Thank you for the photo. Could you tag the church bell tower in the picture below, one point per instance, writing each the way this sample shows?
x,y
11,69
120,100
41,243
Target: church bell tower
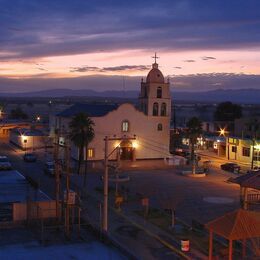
x,y
155,97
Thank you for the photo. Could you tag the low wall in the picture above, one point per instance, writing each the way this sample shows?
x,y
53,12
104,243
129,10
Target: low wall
x,y
34,210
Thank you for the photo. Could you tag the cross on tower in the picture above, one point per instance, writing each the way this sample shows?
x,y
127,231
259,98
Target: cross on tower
x,y
155,57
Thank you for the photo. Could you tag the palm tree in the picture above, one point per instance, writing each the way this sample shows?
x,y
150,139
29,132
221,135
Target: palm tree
x,y
194,131
81,134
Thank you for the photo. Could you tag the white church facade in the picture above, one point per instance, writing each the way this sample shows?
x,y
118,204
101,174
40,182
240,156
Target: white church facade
x,y
134,133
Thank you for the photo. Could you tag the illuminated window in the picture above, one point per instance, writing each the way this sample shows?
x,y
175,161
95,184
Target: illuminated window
x,y
163,109
257,155
246,151
125,126
155,109
91,153
159,127
159,92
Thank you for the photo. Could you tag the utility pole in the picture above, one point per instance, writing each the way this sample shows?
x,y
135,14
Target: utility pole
x,y
67,219
105,179
105,206
57,174
253,152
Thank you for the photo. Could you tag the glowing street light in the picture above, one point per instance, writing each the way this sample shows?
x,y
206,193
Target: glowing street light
x,y
222,131
38,118
24,140
135,144
257,146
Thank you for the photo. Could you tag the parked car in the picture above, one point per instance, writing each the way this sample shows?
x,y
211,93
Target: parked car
x,y
4,163
231,167
30,157
49,168
255,169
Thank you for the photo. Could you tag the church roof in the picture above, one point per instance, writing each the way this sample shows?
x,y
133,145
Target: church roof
x,y
92,110
155,75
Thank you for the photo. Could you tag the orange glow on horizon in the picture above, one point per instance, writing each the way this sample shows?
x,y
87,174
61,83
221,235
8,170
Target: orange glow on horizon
x,y
179,63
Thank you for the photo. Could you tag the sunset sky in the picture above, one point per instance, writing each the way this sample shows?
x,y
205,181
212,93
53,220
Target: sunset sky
x,y
48,41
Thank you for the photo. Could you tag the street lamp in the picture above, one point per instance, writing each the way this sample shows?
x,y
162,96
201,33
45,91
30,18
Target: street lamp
x,y
24,142
38,118
223,132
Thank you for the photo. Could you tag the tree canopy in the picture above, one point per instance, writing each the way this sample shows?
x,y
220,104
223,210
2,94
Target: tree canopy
x,y
18,113
81,133
194,128
227,111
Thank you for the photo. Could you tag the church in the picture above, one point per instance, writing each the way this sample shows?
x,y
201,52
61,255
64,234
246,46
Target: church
x,y
134,133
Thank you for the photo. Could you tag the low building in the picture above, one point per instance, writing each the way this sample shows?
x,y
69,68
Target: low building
x,y
21,199
7,125
243,150
29,139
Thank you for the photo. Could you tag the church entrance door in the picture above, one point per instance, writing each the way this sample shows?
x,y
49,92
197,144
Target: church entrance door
x,y
126,150
126,153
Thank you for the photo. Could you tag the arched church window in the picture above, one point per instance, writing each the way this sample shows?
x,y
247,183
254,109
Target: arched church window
x,y
155,109
159,92
163,109
159,127
125,126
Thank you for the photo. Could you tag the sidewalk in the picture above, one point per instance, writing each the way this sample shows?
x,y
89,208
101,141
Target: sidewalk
x,y
214,155
133,233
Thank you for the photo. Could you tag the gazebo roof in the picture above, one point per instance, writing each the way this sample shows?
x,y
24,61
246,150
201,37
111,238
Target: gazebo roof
x,y
249,180
236,225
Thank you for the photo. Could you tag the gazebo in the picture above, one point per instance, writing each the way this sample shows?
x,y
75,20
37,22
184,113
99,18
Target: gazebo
x,y
236,225
249,182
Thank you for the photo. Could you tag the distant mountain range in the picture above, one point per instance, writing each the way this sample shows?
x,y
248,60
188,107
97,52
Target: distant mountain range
x,y
234,95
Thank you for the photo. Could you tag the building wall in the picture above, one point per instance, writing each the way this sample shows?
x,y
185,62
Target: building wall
x,y
33,142
151,97
237,153
150,143
6,128
34,210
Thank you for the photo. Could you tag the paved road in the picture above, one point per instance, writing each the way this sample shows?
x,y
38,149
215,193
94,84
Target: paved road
x,y
217,161
202,199
120,229
34,170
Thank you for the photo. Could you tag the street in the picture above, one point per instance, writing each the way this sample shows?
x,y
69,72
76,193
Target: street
x,y
186,194
199,199
119,228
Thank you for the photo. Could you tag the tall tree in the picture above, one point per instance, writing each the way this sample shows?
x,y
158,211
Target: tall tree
x,y
227,111
194,131
81,134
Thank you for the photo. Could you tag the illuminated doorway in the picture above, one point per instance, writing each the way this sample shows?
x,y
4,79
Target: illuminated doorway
x,y
126,150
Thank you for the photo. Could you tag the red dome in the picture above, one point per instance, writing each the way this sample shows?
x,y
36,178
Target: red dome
x,y
155,75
